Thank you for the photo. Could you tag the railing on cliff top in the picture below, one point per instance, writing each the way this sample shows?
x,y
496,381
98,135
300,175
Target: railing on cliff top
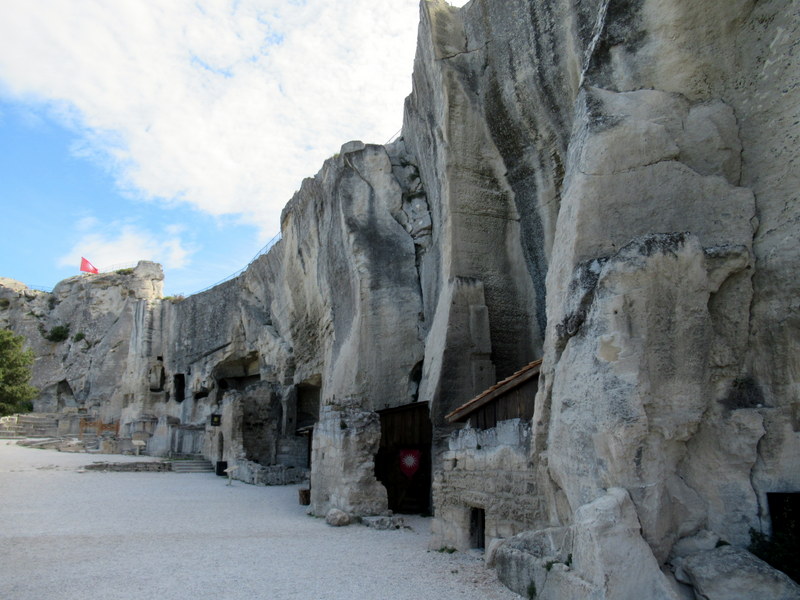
x,y
260,253
394,137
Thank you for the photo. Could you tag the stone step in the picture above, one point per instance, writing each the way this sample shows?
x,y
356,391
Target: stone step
x,y
36,425
192,466
37,418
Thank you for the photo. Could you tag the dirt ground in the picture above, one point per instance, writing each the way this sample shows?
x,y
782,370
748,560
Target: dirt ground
x,y
66,534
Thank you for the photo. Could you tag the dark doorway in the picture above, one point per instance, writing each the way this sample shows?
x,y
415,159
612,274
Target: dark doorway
x,y
179,382
781,548
784,512
307,404
477,528
403,462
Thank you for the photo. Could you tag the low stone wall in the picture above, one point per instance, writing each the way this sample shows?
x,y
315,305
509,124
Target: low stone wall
x,y
487,470
256,474
150,466
293,451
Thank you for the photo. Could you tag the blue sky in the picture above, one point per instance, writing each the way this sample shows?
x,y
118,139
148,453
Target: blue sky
x,y
177,131
59,206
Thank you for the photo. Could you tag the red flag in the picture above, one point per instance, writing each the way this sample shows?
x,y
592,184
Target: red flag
x,y
409,462
87,266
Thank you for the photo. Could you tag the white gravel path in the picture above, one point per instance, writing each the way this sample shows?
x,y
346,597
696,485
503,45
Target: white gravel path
x,y
66,534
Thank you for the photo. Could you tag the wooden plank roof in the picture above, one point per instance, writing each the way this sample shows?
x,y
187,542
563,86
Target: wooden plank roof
x,y
501,387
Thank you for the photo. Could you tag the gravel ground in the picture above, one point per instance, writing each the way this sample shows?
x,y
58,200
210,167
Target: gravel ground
x,y
67,534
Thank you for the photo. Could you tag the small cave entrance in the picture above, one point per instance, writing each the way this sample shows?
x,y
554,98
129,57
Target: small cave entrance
x,y
784,512
477,528
403,462
414,379
780,549
64,395
156,377
179,386
308,393
261,418
237,373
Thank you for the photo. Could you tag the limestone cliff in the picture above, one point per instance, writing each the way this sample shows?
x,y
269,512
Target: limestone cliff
x,y
91,336
610,185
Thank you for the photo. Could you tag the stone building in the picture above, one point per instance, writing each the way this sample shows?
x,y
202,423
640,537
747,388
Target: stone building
x,y
486,489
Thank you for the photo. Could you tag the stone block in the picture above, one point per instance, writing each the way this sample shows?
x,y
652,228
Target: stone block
x,y
337,518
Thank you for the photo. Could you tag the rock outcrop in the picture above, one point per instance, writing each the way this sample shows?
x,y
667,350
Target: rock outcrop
x,y
610,185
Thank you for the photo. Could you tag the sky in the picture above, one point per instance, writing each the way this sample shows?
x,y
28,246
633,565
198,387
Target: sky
x,y
176,131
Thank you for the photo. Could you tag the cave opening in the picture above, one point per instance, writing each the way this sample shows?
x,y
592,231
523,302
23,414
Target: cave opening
x,y
309,393
477,528
179,385
64,395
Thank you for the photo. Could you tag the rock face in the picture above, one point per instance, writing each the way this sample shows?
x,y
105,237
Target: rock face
x,y
729,572
91,336
610,185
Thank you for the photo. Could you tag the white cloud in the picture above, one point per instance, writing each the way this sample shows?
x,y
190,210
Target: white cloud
x,y
125,245
223,104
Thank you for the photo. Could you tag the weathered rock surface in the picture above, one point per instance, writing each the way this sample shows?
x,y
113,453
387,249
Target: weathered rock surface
x,y
610,185
727,573
383,522
106,324
337,518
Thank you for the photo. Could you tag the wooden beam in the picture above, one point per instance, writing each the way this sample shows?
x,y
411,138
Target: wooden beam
x,y
506,385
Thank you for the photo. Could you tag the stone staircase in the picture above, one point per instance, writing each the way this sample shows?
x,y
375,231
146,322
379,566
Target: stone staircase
x,y
29,425
192,465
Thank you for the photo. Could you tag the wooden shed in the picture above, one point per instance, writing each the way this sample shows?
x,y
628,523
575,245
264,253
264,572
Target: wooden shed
x,y
511,398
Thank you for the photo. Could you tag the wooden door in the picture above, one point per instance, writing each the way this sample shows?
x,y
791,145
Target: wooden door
x,y
403,462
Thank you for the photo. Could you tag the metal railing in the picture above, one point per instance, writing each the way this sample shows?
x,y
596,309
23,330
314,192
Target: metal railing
x,y
118,267
394,137
262,252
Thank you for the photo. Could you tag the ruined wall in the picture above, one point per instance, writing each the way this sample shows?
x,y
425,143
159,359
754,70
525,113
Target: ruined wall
x,y
488,470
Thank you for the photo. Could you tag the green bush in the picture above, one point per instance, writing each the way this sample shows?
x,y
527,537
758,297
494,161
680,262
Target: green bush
x,y
79,336
59,333
4,303
124,271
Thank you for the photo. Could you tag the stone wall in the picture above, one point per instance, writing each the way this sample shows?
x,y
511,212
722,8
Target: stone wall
x,y
346,441
490,470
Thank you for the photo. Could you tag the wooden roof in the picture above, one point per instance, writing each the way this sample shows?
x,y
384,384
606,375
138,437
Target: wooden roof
x,y
501,387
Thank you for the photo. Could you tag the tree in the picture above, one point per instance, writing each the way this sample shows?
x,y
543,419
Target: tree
x,y
15,373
